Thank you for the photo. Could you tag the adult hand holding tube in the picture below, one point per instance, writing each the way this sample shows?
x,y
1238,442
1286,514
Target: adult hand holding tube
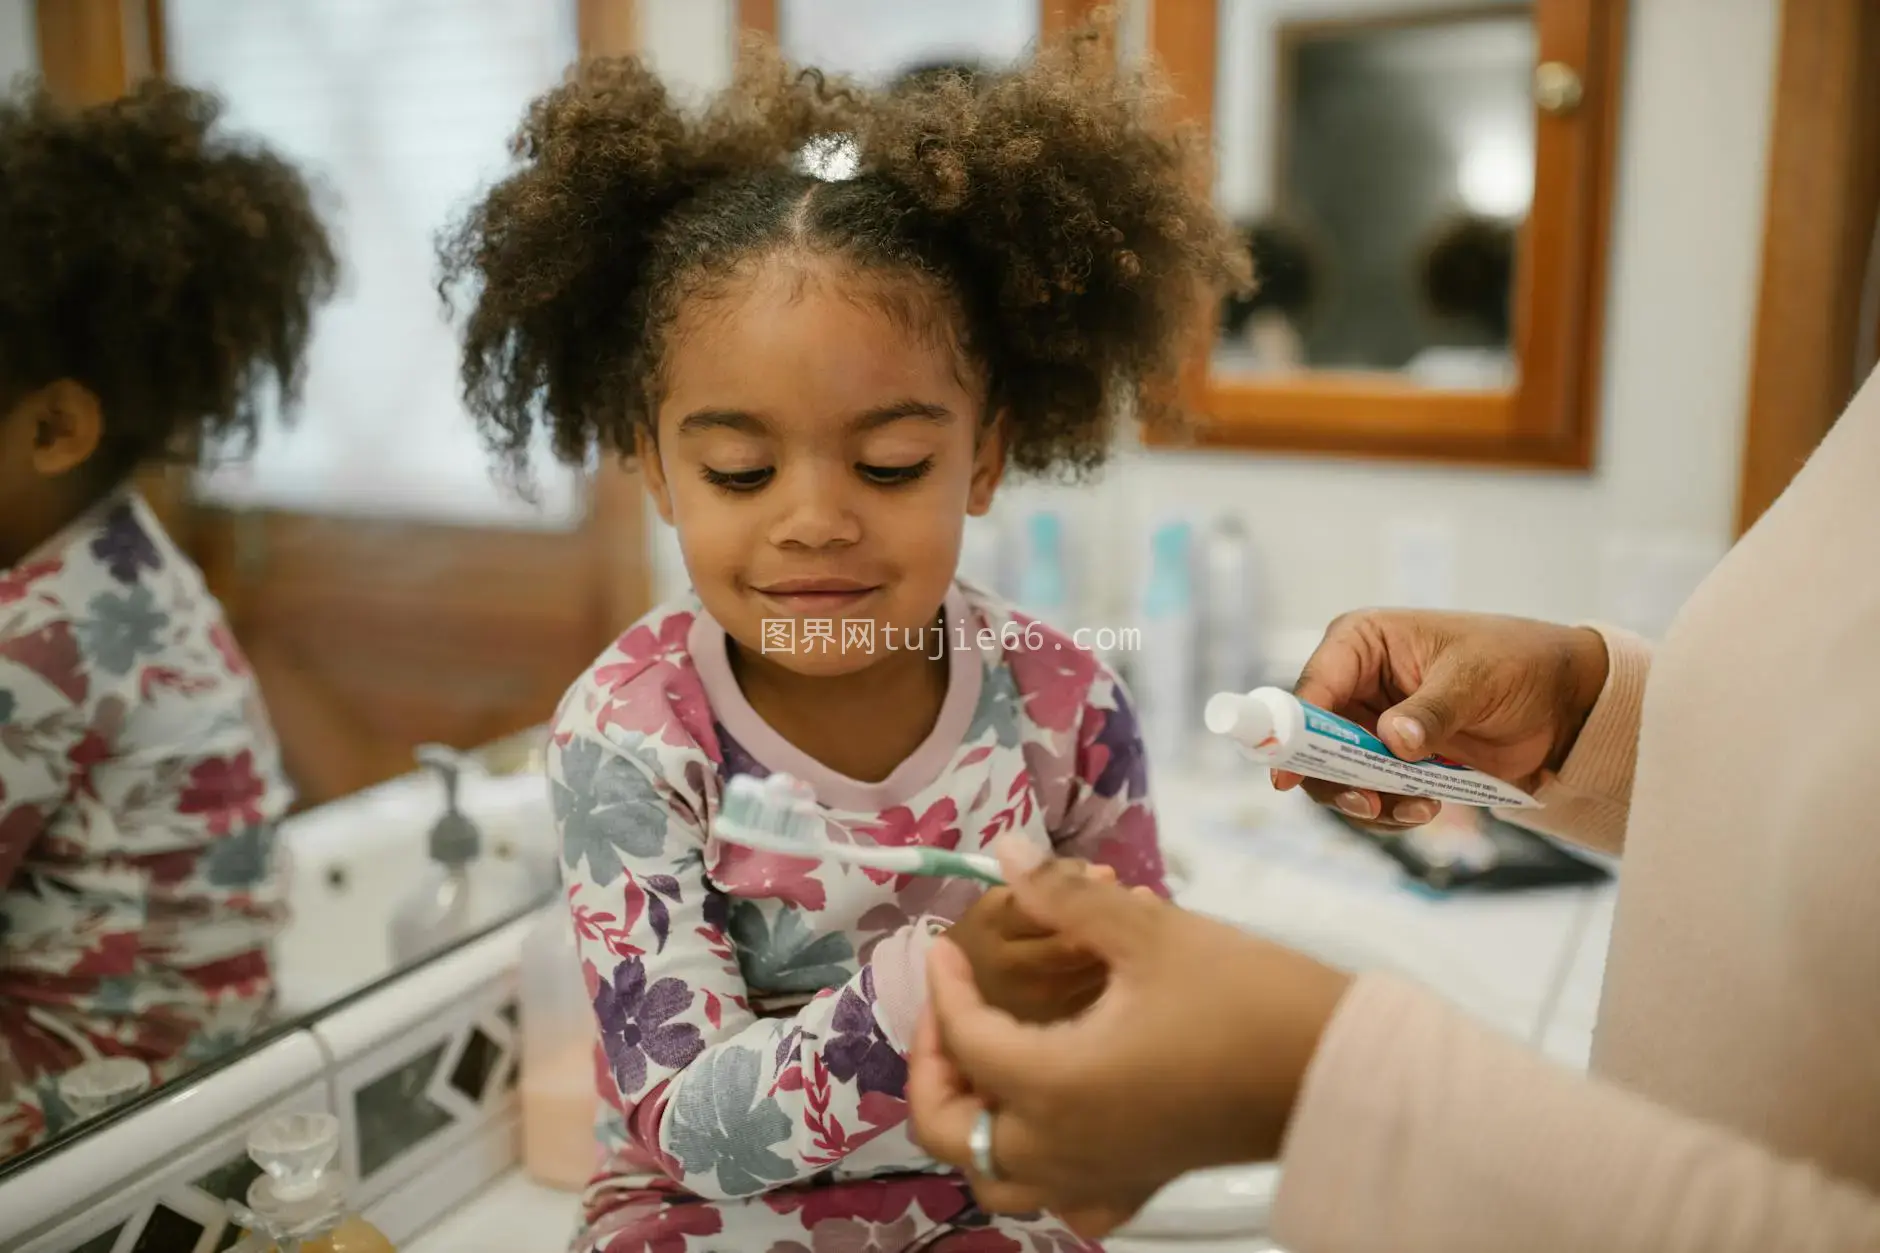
x,y
1507,696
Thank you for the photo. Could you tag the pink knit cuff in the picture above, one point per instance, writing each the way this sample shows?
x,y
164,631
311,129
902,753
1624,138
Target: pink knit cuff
x,y
899,965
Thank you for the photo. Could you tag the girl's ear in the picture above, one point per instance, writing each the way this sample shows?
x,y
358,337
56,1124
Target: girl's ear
x,y
67,424
988,467
646,452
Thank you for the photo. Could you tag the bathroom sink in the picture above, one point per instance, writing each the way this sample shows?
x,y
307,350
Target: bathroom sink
x,y
354,859
1232,1203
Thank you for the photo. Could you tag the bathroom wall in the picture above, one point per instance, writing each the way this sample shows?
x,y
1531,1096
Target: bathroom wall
x,y
18,40
1620,543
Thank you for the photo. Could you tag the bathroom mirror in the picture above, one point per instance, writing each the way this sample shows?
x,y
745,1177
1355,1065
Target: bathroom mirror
x,y
1423,190
386,592
877,43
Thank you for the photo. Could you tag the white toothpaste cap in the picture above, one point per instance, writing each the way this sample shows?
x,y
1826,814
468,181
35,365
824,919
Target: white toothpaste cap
x,y
1240,715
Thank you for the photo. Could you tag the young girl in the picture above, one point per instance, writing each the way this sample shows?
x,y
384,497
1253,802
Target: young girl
x,y
151,274
820,380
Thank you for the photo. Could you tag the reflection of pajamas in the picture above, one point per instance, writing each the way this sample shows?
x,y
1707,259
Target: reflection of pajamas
x,y
139,790
754,1010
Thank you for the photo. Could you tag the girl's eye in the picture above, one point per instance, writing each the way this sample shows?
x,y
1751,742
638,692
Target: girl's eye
x,y
895,476
738,480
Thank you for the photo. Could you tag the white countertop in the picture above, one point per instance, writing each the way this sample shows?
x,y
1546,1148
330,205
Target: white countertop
x,y
1529,963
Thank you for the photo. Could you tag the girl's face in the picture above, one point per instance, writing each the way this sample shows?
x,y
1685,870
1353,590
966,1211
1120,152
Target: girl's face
x,y
818,459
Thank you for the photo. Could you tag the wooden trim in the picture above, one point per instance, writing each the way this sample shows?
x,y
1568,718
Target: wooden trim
x,y
758,17
1055,17
1818,234
761,17
1551,417
91,51
607,28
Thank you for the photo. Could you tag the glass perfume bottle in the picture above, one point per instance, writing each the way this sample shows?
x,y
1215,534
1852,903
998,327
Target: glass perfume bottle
x,y
300,1203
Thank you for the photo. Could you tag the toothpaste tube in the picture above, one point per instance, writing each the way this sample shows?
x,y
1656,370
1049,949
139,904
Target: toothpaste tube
x,y
1280,731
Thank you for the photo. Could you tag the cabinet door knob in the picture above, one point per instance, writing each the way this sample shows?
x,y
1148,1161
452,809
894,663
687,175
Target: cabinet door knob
x,y
1557,88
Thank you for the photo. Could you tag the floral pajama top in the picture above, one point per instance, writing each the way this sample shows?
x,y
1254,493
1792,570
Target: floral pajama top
x,y
755,1011
140,785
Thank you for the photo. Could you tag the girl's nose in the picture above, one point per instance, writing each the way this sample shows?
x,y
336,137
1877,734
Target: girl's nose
x,y
815,509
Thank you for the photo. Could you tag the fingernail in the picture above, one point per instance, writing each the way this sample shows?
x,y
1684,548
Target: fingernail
x,y
1410,731
1415,812
1354,803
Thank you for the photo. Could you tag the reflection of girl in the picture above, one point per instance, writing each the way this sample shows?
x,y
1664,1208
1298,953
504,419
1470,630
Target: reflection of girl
x,y
821,380
1467,279
150,275
1260,329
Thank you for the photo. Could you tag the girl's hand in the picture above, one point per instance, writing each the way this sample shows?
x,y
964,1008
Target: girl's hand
x,y
1023,968
1193,1056
1507,696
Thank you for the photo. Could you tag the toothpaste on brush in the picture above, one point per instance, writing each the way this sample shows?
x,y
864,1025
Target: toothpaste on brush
x,y
1280,731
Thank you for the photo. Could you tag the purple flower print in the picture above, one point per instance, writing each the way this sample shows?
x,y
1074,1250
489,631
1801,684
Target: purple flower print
x,y
859,1053
735,759
635,1028
123,547
1123,768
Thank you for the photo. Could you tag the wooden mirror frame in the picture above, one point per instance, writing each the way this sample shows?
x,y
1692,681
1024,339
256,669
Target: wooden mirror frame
x,y
1054,16
1550,417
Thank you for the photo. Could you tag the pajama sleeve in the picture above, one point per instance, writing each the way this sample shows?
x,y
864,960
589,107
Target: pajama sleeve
x,y
733,1104
1108,819
41,724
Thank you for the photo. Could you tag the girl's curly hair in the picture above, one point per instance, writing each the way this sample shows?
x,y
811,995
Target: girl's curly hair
x,y
1070,231
170,270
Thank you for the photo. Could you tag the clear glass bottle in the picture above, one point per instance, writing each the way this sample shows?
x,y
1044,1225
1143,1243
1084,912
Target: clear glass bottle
x,y
559,1097
300,1203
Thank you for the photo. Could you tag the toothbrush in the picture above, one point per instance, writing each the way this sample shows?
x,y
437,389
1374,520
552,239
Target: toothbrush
x,y
778,815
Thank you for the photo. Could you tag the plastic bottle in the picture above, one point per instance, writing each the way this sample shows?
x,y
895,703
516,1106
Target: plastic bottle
x,y
1166,669
462,891
300,1202
1043,580
559,1100
980,545
1232,652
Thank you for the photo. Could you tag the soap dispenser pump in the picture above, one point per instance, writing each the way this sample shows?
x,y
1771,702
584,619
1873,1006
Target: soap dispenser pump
x,y
299,1203
462,890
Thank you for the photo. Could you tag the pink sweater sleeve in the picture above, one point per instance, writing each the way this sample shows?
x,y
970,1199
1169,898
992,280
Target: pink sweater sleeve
x,y
1420,1131
1588,800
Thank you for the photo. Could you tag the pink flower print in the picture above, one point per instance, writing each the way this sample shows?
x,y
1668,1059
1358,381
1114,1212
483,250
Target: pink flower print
x,y
226,789
16,583
979,1240
753,874
84,755
108,953
1054,682
52,653
646,642
899,828
233,659
871,1200
1132,849
935,897
664,1228
664,703
845,1235
1113,754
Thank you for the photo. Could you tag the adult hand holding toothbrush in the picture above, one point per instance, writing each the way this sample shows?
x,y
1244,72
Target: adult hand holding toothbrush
x,y
1507,696
1025,968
